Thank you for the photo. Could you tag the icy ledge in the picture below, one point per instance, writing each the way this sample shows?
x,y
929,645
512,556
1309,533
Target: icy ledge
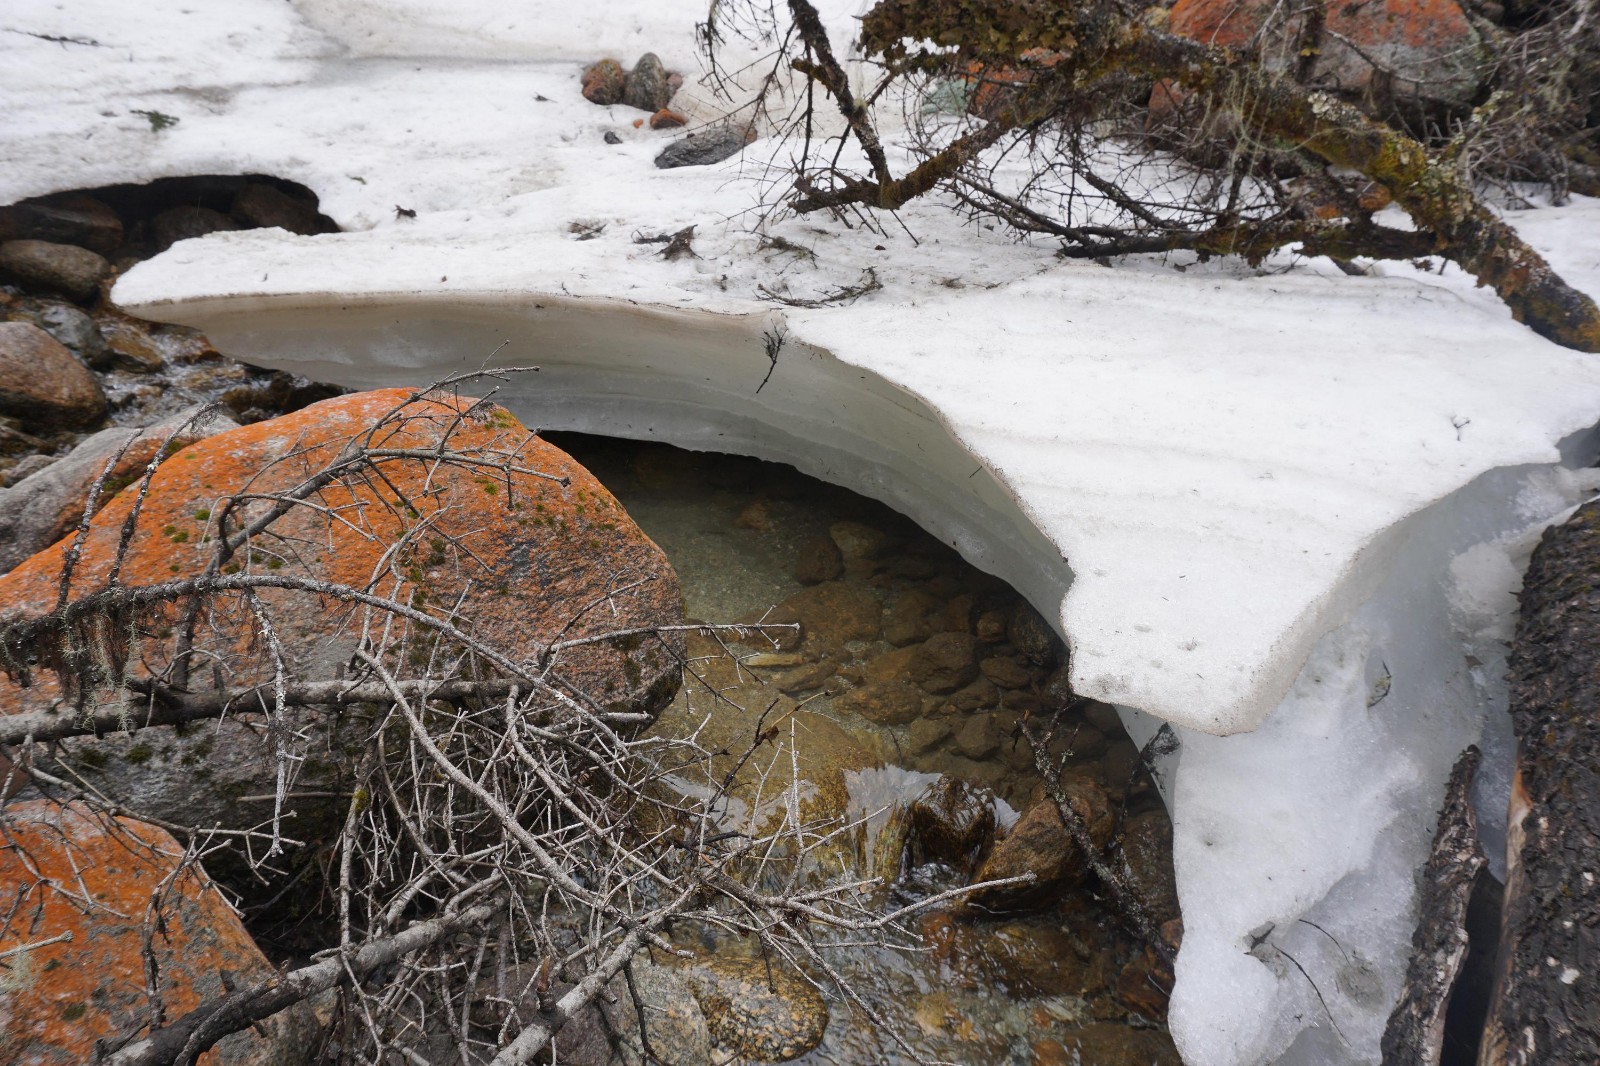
x,y
1225,529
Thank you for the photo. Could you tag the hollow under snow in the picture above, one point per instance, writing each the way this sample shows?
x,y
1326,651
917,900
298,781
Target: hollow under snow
x,y
1256,502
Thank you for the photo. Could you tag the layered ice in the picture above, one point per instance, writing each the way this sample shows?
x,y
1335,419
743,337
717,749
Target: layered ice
x,y
1282,509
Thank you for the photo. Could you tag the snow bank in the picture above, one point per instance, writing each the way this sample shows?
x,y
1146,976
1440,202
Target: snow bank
x,y
1254,500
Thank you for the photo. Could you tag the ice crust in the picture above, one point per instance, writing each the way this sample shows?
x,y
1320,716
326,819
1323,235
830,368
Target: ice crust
x,y
1247,498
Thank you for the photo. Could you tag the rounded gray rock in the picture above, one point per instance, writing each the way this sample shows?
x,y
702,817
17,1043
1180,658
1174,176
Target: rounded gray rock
x,y
72,271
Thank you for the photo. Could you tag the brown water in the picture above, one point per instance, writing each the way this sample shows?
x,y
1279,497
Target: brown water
x,y
1058,985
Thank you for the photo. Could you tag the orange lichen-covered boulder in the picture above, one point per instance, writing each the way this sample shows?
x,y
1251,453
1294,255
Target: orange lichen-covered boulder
x,y
86,894
508,539
1388,53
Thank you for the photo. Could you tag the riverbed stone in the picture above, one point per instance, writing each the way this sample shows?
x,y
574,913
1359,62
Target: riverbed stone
x,y
805,678
64,268
929,732
906,620
131,343
76,331
883,702
758,1010
1040,844
951,822
1006,672
1107,1044
832,614
945,662
42,384
817,561
92,878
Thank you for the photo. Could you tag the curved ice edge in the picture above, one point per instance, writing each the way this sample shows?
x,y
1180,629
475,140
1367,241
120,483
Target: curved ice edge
x,y
690,377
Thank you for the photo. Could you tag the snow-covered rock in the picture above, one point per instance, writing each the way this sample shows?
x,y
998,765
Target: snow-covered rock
x,y
1248,497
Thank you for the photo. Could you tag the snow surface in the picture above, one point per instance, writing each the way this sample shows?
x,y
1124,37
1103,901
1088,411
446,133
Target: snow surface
x,y
1248,497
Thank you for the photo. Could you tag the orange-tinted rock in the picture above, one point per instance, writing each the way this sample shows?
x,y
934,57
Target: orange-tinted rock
x,y
522,559
1381,52
72,873
1040,844
605,82
667,119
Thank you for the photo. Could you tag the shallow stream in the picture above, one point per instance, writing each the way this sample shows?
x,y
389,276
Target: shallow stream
x,y
912,671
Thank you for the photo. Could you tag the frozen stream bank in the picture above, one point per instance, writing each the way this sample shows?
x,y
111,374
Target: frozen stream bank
x,y
1296,840
1238,493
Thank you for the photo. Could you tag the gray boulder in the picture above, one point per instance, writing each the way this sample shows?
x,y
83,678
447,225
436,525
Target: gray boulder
x,y
705,147
72,271
46,505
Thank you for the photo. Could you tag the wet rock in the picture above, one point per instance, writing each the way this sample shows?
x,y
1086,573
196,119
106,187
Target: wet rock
x,y
282,393
929,733
977,736
582,538
39,510
131,345
951,823
26,467
645,86
64,268
1146,852
186,223
605,82
884,702
1006,672
667,119
42,384
979,695
906,620
704,147
673,1019
992,625
71,218
94,878
1145,985
76,331
891,665
832,614
945,662
259,206
756,517
807,678
859,542
1108,1044
958,615
818,561
760,1011
1040,844
1033,637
